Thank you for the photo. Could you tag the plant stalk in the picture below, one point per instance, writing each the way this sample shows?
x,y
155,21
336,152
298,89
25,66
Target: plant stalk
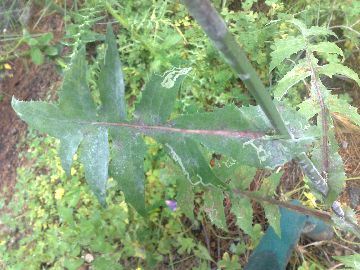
x,y
225,42
324,216
215,27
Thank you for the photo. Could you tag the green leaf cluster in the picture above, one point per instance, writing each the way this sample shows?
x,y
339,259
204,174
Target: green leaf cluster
x,y
314,58
57,222
40,46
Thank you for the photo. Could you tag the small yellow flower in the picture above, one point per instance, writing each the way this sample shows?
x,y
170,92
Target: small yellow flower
x,y
53,178
40,212
7,66
124,206
311,202
59,193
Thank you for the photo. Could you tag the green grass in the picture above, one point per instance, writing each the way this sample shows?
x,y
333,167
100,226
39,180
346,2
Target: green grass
x,y
54,220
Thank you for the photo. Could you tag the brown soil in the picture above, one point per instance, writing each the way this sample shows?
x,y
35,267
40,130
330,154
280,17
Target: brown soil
x,y
27,82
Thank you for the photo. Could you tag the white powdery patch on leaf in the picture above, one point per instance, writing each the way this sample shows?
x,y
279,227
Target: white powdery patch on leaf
x,y
172,75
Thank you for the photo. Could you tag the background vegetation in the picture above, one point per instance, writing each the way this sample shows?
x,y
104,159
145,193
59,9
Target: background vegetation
x,y
53,222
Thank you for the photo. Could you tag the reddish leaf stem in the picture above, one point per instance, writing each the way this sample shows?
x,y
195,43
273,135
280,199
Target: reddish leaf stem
x,y
324,216
224,133
324,115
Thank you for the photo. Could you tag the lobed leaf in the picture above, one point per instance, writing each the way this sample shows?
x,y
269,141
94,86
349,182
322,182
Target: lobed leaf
x,y
326,47
336,68
300,72
284,48
312,31
242,134
341,106
248,148
66,121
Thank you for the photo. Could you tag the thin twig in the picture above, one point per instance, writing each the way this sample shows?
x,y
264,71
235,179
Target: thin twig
x,y
336,266
324,216
345,27
207,241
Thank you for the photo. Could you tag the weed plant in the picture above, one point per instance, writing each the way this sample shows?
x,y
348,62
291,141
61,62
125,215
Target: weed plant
x,y
161,36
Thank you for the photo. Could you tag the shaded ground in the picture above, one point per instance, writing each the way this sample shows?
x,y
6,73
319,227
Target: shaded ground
x,y
27,82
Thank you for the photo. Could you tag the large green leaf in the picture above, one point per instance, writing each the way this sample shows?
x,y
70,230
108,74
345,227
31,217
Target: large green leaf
x,y
242,134
220,132
66,121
